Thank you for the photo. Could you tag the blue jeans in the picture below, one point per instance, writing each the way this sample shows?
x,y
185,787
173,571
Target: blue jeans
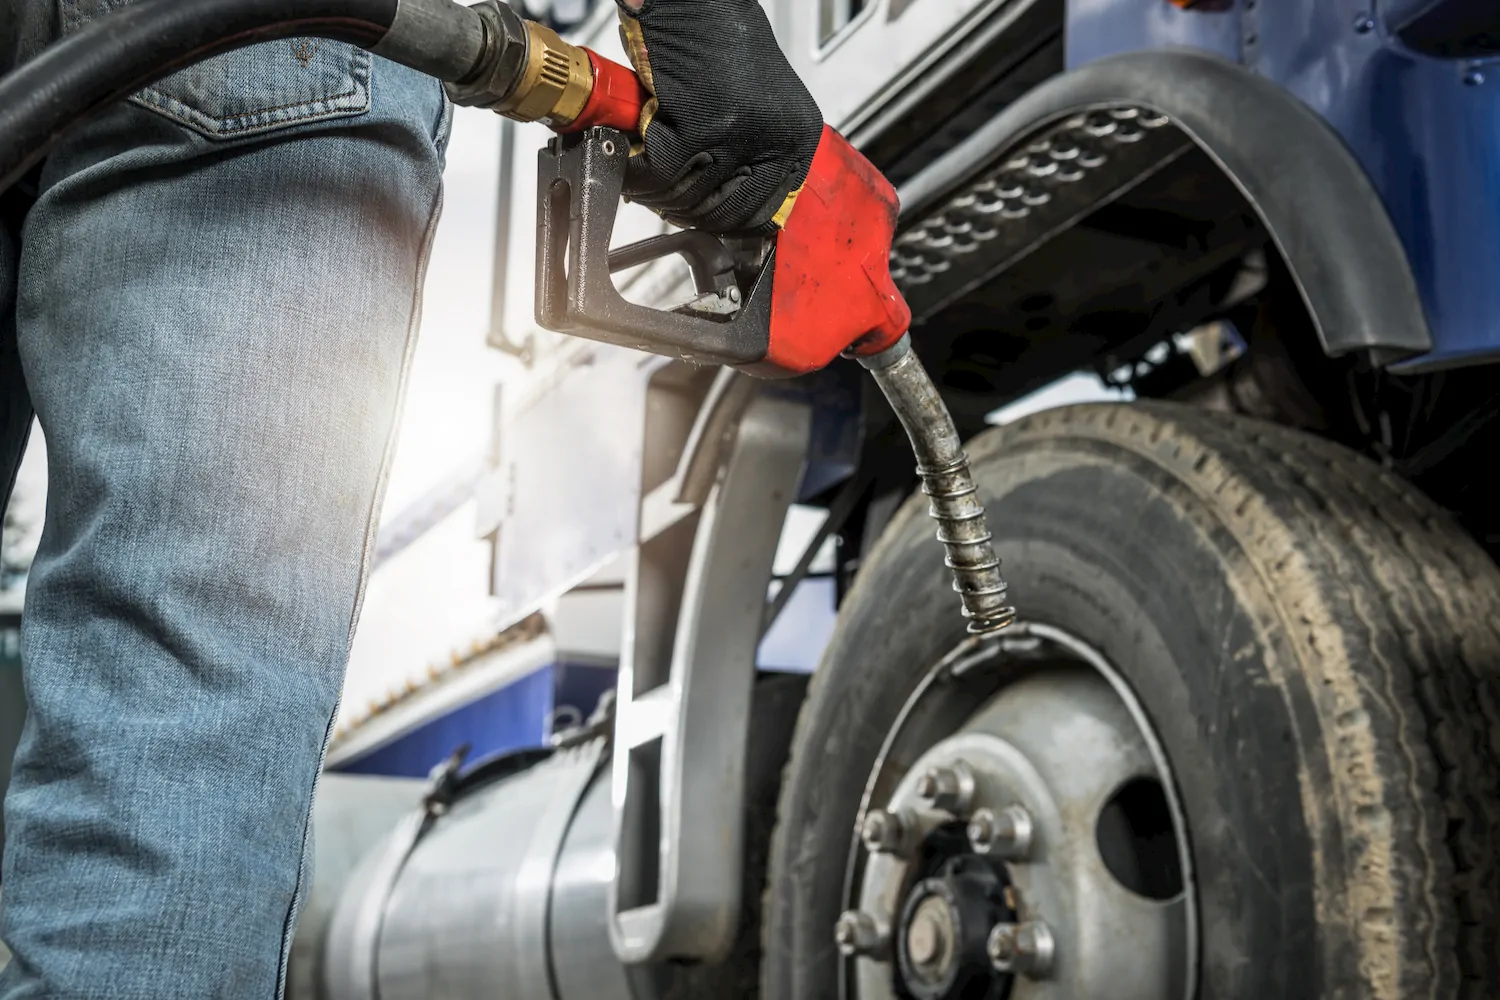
x,y
211,306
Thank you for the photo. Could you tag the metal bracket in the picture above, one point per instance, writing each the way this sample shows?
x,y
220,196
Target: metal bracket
x,y
696,593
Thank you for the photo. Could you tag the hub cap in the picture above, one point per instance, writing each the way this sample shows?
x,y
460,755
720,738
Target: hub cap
x,y
945,926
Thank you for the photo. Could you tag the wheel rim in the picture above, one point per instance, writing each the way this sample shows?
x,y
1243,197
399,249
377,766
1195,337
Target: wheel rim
x,y
1032,848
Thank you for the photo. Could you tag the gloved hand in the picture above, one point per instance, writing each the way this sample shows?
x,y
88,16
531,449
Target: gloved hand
x,y
730,132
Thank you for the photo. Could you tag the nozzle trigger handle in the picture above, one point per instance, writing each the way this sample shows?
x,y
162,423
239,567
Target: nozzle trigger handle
x,y
823,289
580,180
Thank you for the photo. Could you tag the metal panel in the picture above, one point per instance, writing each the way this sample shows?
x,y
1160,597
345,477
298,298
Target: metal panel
x,y
696,597
1059,177
1427,131
884,50
564,495
1098,28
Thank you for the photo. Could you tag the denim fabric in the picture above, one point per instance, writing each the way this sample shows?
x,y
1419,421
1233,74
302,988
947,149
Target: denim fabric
x,y
214,320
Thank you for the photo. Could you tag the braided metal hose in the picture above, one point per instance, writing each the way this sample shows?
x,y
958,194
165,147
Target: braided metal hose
x,y
946,480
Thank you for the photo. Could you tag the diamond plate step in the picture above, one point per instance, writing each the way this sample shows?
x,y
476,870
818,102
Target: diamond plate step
x,y
1045,184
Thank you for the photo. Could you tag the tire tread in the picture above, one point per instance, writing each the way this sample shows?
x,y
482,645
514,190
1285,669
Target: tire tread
x,y
1433,694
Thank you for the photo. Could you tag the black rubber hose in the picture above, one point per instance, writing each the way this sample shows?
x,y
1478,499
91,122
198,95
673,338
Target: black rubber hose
x,y
138,44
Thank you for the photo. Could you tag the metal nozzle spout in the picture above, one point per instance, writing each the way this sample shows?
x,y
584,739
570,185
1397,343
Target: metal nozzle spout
x,y
947,481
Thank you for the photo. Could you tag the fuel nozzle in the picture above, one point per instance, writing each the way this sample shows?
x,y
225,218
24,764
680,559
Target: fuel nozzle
x,y
824,289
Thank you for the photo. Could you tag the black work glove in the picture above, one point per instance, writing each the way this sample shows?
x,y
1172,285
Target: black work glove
x,y
729,135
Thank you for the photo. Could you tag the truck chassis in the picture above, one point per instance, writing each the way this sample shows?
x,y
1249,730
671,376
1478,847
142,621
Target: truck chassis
x,y
1242,741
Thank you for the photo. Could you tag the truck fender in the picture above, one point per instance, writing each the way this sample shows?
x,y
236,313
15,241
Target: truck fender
x,y
1313,197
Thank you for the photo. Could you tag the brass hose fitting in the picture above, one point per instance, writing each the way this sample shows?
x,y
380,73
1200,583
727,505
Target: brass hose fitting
x,y
527,72
557,81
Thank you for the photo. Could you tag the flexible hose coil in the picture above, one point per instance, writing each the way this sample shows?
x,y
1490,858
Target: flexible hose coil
x,y
948,483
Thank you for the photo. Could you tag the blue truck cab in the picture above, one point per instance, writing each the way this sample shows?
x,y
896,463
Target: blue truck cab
x,y
1409,87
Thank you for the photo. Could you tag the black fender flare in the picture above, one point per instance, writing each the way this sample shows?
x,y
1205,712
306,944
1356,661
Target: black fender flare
x,y
1315,200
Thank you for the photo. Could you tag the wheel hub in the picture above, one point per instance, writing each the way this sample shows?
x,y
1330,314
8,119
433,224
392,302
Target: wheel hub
x,y
1020,854
945,927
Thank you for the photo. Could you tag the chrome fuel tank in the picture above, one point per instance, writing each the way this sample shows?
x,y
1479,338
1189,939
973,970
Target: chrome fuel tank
x,y
504,893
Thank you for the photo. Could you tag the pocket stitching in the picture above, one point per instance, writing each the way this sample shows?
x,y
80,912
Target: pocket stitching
x,y
265,119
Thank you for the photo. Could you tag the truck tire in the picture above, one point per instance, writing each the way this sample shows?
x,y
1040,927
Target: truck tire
x,y
1309,643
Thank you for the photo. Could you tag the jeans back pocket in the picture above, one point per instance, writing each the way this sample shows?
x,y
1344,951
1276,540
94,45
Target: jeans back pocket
x,y
253,90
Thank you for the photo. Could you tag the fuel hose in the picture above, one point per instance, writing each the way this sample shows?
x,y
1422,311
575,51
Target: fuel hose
x,y
136,45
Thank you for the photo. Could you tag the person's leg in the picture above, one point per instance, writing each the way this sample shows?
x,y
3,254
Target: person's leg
x,y
215,332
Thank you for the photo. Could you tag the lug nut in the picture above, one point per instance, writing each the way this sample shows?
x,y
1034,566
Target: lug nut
x,y
858,933
1022,949
1001,946
948,788
885,833
1005,834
